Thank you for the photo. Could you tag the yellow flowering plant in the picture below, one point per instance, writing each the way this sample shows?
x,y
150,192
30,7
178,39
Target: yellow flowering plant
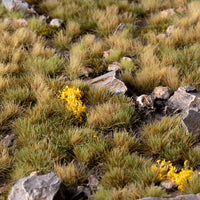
x,y
167,171
73,98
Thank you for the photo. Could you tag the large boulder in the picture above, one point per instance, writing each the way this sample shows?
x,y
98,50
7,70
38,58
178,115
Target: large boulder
x,y
110,81
44,187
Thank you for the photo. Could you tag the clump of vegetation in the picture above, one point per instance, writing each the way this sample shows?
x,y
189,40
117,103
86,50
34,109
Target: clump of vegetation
x,y
167,171
73,98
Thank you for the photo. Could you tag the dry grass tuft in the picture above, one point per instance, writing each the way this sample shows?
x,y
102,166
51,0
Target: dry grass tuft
x,y
70,174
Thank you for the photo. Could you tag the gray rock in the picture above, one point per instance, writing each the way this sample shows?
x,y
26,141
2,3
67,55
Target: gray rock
x,y
15,5
192,122
45,187
109,81
183,100
180,197
119,29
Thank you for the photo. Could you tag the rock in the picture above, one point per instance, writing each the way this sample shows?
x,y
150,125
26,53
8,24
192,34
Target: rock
x,y
35,173
107,53
180,197
8,21
127,59
192,122
171,29
161,36
15,5
87,71
93,183
168,184
161,92
8,140
111,81
21,22
119,29
45,187
145,101
115,66
166,13
183,100
56,22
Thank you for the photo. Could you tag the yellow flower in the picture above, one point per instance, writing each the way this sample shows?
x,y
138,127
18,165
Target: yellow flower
x,y
73,98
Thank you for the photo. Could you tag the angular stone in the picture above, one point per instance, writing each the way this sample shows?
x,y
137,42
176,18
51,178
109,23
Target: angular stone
x,y
111,81
192,122
21,22
15,5
56,22
184,101
45,187
115,66
119,29
145,101
166,13
171,29
161,92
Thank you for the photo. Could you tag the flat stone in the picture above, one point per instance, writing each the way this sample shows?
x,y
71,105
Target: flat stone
x,y
161,92
192,122
44,187
110,81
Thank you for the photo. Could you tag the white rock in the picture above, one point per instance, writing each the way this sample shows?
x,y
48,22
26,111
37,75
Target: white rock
x,y
145,101
56,22
115,66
